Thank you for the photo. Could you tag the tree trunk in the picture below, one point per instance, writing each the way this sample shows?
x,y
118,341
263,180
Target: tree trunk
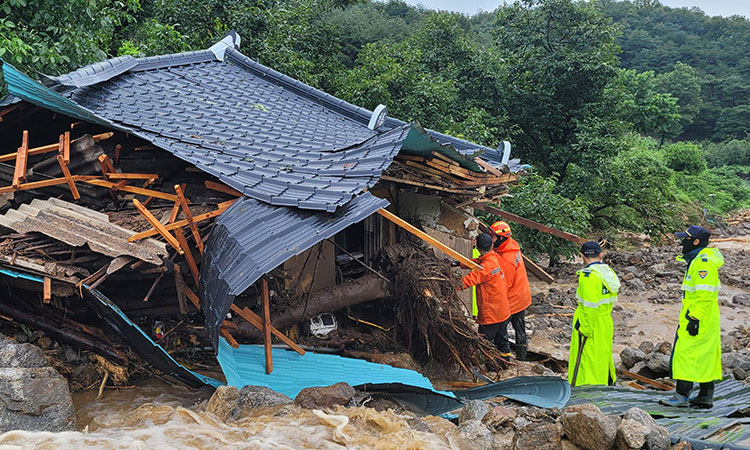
x,y
364,289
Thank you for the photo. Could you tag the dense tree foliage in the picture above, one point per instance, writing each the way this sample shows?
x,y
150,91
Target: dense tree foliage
x,y
600,96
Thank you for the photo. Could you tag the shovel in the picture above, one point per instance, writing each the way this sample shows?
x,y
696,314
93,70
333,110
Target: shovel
x,y
578,358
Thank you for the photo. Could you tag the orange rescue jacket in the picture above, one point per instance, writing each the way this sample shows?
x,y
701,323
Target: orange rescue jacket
x,y
511,261
492,293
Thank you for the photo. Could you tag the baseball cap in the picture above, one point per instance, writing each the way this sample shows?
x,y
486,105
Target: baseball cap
x,y
591,248
694,232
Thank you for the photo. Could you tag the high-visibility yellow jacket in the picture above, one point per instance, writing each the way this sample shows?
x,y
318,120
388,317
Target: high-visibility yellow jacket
x,y
698,358
597,293
474,310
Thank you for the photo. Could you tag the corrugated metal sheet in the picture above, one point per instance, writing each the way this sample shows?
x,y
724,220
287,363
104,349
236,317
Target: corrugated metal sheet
x,y
78,226
252,238
293,372
730,398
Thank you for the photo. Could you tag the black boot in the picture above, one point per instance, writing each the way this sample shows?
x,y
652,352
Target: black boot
x,y
521,351
705,397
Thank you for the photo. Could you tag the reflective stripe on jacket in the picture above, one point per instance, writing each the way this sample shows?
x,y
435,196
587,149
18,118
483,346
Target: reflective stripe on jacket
x,y
511,260
474,311
492,293
597,293
698,358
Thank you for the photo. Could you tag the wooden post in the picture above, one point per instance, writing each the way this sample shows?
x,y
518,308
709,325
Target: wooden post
x,y
175,208
68,177
66,147
19,175
180,285
158,226
47,295
426,237
189,217
266,324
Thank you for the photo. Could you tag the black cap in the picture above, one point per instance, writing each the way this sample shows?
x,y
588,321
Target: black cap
x,y
484,242
694,232
591,248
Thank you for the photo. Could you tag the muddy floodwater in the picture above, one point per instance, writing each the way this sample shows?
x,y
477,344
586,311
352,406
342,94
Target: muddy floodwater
x,y
155,415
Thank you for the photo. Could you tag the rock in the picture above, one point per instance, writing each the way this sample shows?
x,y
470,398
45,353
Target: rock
x,y
741,299
656,269
520,422
664,347
567,445
733,360
638,367
473,435
588,428
503,440
21,355
325,397
474,410
646,347
631,356
539,436
739,373
223,402
35,399
684,445
658,436
45,343
627,276
636,284
658,363
251,397
631,435
21,338
499,416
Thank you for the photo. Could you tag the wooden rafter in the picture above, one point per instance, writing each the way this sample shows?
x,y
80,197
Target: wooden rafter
x,y
161,229
50,148
181,223
22,157
219,187
175,210
132,189
426,237
68,177
188,254
529,223
66,147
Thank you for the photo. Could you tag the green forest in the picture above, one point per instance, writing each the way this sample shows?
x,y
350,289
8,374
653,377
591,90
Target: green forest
x,y
635,116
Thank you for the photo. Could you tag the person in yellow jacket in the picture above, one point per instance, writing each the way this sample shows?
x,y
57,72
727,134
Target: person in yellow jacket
x,y
590,360
696,353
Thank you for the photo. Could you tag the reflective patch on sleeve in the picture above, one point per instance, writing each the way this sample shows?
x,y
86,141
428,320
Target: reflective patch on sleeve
x,y
495,271
701,287
590,304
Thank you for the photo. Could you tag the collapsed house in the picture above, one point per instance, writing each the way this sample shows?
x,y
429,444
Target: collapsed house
x,y
159,186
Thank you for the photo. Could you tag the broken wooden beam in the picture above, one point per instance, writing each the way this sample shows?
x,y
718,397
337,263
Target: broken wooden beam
x,y
158,226
181,223
219,187
47,290
132,189
22,157
188,254
230,340
189,217
535,269
429,239
647,380
66,147
266,325
255,320
68,177
528,223
180,286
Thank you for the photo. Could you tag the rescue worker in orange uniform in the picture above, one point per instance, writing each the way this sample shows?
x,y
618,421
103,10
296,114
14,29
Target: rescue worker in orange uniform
x,y
519,294
492,295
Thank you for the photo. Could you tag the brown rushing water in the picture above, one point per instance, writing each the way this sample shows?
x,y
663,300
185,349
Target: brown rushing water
x,y
156,415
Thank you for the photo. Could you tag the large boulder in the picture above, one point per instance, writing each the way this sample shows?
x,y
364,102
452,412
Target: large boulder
x,y
35,399
631,356
325,397
223,402
21,355
472,435
499,416
658,436
741,299
474,410
252,397
539,436
658,363
588,428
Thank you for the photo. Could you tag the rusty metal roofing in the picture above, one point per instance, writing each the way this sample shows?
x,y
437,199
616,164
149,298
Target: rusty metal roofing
x,y
728,422
251,238
77,226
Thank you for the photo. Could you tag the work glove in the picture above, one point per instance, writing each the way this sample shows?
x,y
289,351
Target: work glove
x,y
692,326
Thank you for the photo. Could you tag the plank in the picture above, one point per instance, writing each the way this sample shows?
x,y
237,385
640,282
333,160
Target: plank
x,y
68,177
105,164
189,217
534,268
426,237
133,189
192,297
132,176
488,167
257,322
181,223
230,339
214,186
647,380
443,158
266,325
51,147
66,147
529,223
401,157
22,157
158,226
33,185
429,186
47,294
188,254
175,211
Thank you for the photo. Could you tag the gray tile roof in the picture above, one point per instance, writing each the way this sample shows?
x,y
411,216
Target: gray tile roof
x,y
251,238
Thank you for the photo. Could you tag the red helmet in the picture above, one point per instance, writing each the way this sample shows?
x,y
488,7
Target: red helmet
x,y
501,228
